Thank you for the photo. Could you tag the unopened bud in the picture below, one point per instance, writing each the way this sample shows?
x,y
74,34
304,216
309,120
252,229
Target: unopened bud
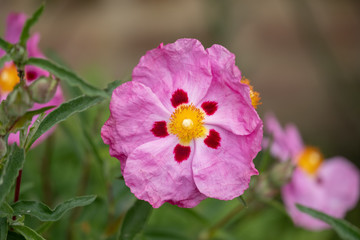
x,y
3,148
18,102
281,173
18,54
43,89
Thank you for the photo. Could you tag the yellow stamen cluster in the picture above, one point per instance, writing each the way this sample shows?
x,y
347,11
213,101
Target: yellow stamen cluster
x,y
8,78
254,95
187,123
310,160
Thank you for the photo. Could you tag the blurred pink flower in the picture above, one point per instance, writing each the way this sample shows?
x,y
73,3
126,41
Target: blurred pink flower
x,y
8,74
184,128
315,183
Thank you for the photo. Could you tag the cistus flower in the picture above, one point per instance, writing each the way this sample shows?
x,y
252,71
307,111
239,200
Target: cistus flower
x,y
184,128
327,185
8,73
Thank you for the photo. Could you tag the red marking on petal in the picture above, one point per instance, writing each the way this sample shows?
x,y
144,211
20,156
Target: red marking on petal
x,y
31,75
209,107
159,129
179,97
213,139
181,153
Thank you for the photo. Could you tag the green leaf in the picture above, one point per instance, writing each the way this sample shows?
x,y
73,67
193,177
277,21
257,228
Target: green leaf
x,y
27,232
13,164
44,213
14,236
3,228
25,34
344,229
4,59
6,210
64,111
135,219
5,45
27,117
66,75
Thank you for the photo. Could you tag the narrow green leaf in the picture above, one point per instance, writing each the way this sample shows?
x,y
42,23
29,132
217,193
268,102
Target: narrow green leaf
x,y
3,228
5,45
135,219
64,111
28,117
4,59
25,34
44,213
66,75
14,236
13,164
27,232
242,200
6,210
344,229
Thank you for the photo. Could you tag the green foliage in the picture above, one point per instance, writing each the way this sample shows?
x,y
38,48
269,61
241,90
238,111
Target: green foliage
x,y
346,230
13,164
4,59
66,75
3,228
135,220
64,111
44,213
5,45
27,232
25,34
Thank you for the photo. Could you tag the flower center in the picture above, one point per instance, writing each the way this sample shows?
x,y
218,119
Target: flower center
x,y
254,95
310,160
8,78
187,123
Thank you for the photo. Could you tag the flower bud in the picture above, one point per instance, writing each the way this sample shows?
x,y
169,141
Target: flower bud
x,y
18,102
3,148
43,89
18,54
281,173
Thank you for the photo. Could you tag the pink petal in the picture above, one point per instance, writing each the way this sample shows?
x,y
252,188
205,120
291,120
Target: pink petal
x,y
341,182
134,109
153,175
324,192
224,173
286,144
14,25
234,110
33,72
180,65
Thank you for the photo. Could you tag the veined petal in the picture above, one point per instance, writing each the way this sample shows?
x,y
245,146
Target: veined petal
x,y
234,112
224,173
153,175
181,65
134,109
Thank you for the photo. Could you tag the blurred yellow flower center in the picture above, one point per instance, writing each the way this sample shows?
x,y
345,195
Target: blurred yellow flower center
x,y
310,160
254,95
187,123
8,78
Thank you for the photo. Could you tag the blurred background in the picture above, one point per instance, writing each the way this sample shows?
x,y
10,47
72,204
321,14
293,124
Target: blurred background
x,y
302,56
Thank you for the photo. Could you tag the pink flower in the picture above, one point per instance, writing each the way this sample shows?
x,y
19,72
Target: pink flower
x,y
330,186
8,74
184,128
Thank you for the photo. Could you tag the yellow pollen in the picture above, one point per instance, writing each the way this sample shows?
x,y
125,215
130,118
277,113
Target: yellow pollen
x,y
8,78
310,160
254,95
187,123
